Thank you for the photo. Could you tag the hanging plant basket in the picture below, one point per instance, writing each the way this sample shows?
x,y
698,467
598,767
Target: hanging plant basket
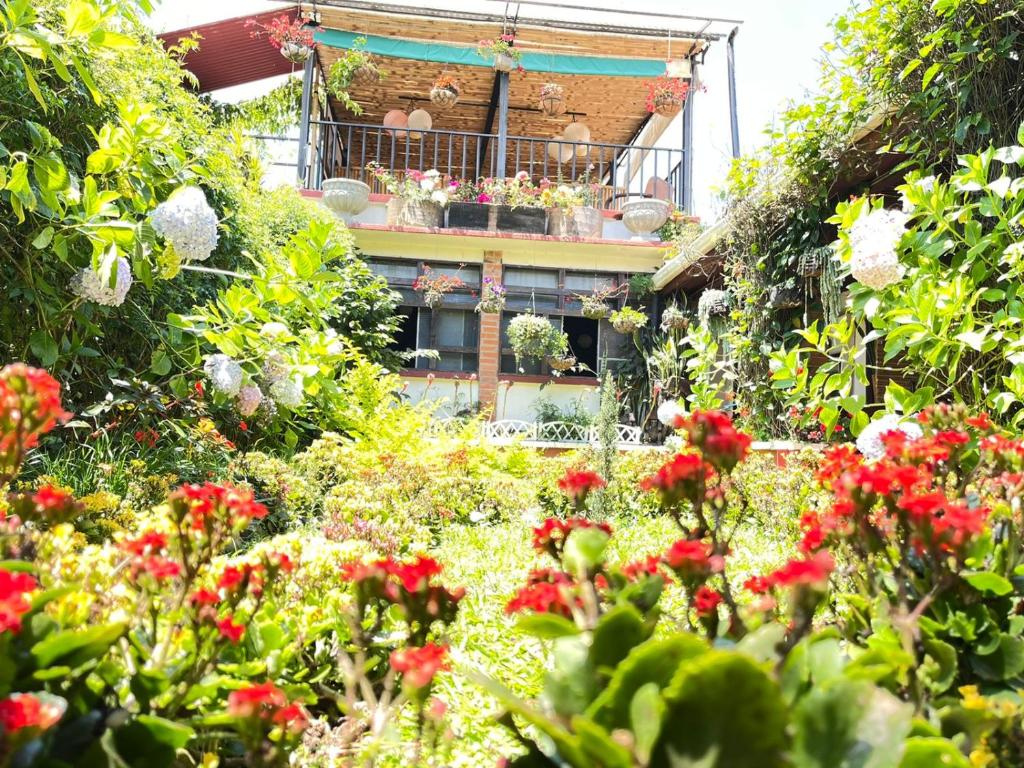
x,y
674,319
810,262
503,62
433,299
628,320
444,97
492,297
782,297
667,105
594,308
560,363
296,53
532,336
713,303
552,99
367,74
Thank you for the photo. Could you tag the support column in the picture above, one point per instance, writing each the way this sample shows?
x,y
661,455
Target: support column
x,y
500,171
734,121
490,340
687,121
304,119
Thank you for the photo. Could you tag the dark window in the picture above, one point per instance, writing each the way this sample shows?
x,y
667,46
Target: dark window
x,y
405,337
583,334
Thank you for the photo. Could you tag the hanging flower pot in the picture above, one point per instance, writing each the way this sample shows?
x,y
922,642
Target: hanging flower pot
x,y
433,299
552,99
560,363
665,96
296,53
810,262
445,92
713,303
594,308
532,336
628,320
492,297
290,36
673,319
433,286
366,74
501,52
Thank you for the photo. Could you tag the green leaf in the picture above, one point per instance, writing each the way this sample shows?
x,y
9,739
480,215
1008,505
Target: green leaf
x,y
151,741
617,633
75,647
850,724
1005,663
986,581
723,705
646,713
584,550
547,626
932,752
43,238
43,347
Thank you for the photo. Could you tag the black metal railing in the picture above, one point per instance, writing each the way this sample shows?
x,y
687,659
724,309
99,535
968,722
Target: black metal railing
x,y
620,171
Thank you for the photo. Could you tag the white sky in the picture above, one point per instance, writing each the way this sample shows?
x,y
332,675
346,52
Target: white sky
x,y
777,51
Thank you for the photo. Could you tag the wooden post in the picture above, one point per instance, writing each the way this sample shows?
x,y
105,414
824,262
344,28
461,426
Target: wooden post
x,y
490,340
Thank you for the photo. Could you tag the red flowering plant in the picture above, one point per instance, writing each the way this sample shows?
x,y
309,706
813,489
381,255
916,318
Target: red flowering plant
x,y
806,423
269,722
396,646
283,31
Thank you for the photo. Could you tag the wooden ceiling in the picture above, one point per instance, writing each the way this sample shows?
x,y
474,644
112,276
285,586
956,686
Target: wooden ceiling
x,y
612,107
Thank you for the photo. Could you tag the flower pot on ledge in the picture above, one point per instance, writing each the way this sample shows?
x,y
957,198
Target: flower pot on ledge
x,y
642,217
496,218
346,197
414,213
578,221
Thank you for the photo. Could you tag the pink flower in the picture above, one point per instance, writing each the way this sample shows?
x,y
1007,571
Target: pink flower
x,y
483,197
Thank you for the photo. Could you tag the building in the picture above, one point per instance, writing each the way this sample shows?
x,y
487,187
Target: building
x,y
602,137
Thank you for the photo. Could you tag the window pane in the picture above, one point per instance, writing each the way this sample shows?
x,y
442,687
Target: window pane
x,y
451,328
393,270
540,303
530,278
589,283
457,361
469,275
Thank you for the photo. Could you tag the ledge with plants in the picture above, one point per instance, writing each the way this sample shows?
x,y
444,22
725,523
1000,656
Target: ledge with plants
x,y
497,205
418,198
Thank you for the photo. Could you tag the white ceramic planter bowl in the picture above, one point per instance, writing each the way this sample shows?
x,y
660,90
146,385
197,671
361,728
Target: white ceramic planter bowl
x,y
642,217
346,197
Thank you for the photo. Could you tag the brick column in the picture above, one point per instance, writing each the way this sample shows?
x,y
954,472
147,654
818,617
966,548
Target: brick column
x,y
490,340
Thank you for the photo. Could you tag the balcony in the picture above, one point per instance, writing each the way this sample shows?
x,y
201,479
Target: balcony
x,y
621,171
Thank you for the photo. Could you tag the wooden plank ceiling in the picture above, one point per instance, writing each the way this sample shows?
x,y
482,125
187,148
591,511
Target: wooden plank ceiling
x,y
612,107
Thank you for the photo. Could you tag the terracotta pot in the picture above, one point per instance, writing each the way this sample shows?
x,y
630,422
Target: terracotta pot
x,y
642,217
444,97
346,197
578,221
414,213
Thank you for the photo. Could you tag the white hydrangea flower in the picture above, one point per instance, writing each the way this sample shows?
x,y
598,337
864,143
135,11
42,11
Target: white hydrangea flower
x,y
224,373
675,443
188,223
335,346
440,197
873,242
249,399
669,411
93,286
287,393
273,329
869,441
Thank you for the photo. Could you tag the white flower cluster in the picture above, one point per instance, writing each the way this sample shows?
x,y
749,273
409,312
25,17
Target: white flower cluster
x,y
675,443
93,286
712,302
224,373
869,441
274,329
873,242
188,223
669,411
287,393
249,399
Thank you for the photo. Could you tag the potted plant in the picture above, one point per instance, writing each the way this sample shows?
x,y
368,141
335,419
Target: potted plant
x,y
492,297
560,363
446,90
533,336
673,319
417,197
345,197
712,303
666,95
290,36
571,209
594,306
501,52
645,216
641,284
354,67
497,205
434,286
552,99
628,320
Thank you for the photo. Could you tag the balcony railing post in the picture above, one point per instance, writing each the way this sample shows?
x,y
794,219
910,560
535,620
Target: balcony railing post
x,y
307,100
686,200
502,124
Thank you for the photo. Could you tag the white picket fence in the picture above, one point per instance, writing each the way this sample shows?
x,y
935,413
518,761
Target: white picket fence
x,y
507,431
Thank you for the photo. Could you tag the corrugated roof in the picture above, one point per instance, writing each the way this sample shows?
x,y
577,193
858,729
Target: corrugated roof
x,y
229,55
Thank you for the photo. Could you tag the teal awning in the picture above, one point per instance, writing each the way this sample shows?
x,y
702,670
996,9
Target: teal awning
x,y
557,63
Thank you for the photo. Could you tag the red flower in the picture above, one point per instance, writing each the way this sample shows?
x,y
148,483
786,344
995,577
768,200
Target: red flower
x,y
23,710
13,603
837,461
145,544
29,407
541,597
706,601
722,445
231,577
682,477
159,567
292,718
981,421
419,665
200,505
759,585
577,484
550,535
813,571
638,569
416,575
230,629
204,597
259,700
690,558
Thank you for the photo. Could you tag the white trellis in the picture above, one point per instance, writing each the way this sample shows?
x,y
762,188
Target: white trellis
x,y
560,432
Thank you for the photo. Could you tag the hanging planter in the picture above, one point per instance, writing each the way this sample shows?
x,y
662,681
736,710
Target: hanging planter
x,y
354,67
673,319
296,53
713,303
290,37
783,297
492,297
532,336
594,307
665,96
366,74
445,92
628,320
501,52
560,363
810,262
434,287
552,99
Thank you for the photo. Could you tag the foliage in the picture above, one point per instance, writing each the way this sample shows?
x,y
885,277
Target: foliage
x,y
502,45
352,64
533,336
628,319
414,185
